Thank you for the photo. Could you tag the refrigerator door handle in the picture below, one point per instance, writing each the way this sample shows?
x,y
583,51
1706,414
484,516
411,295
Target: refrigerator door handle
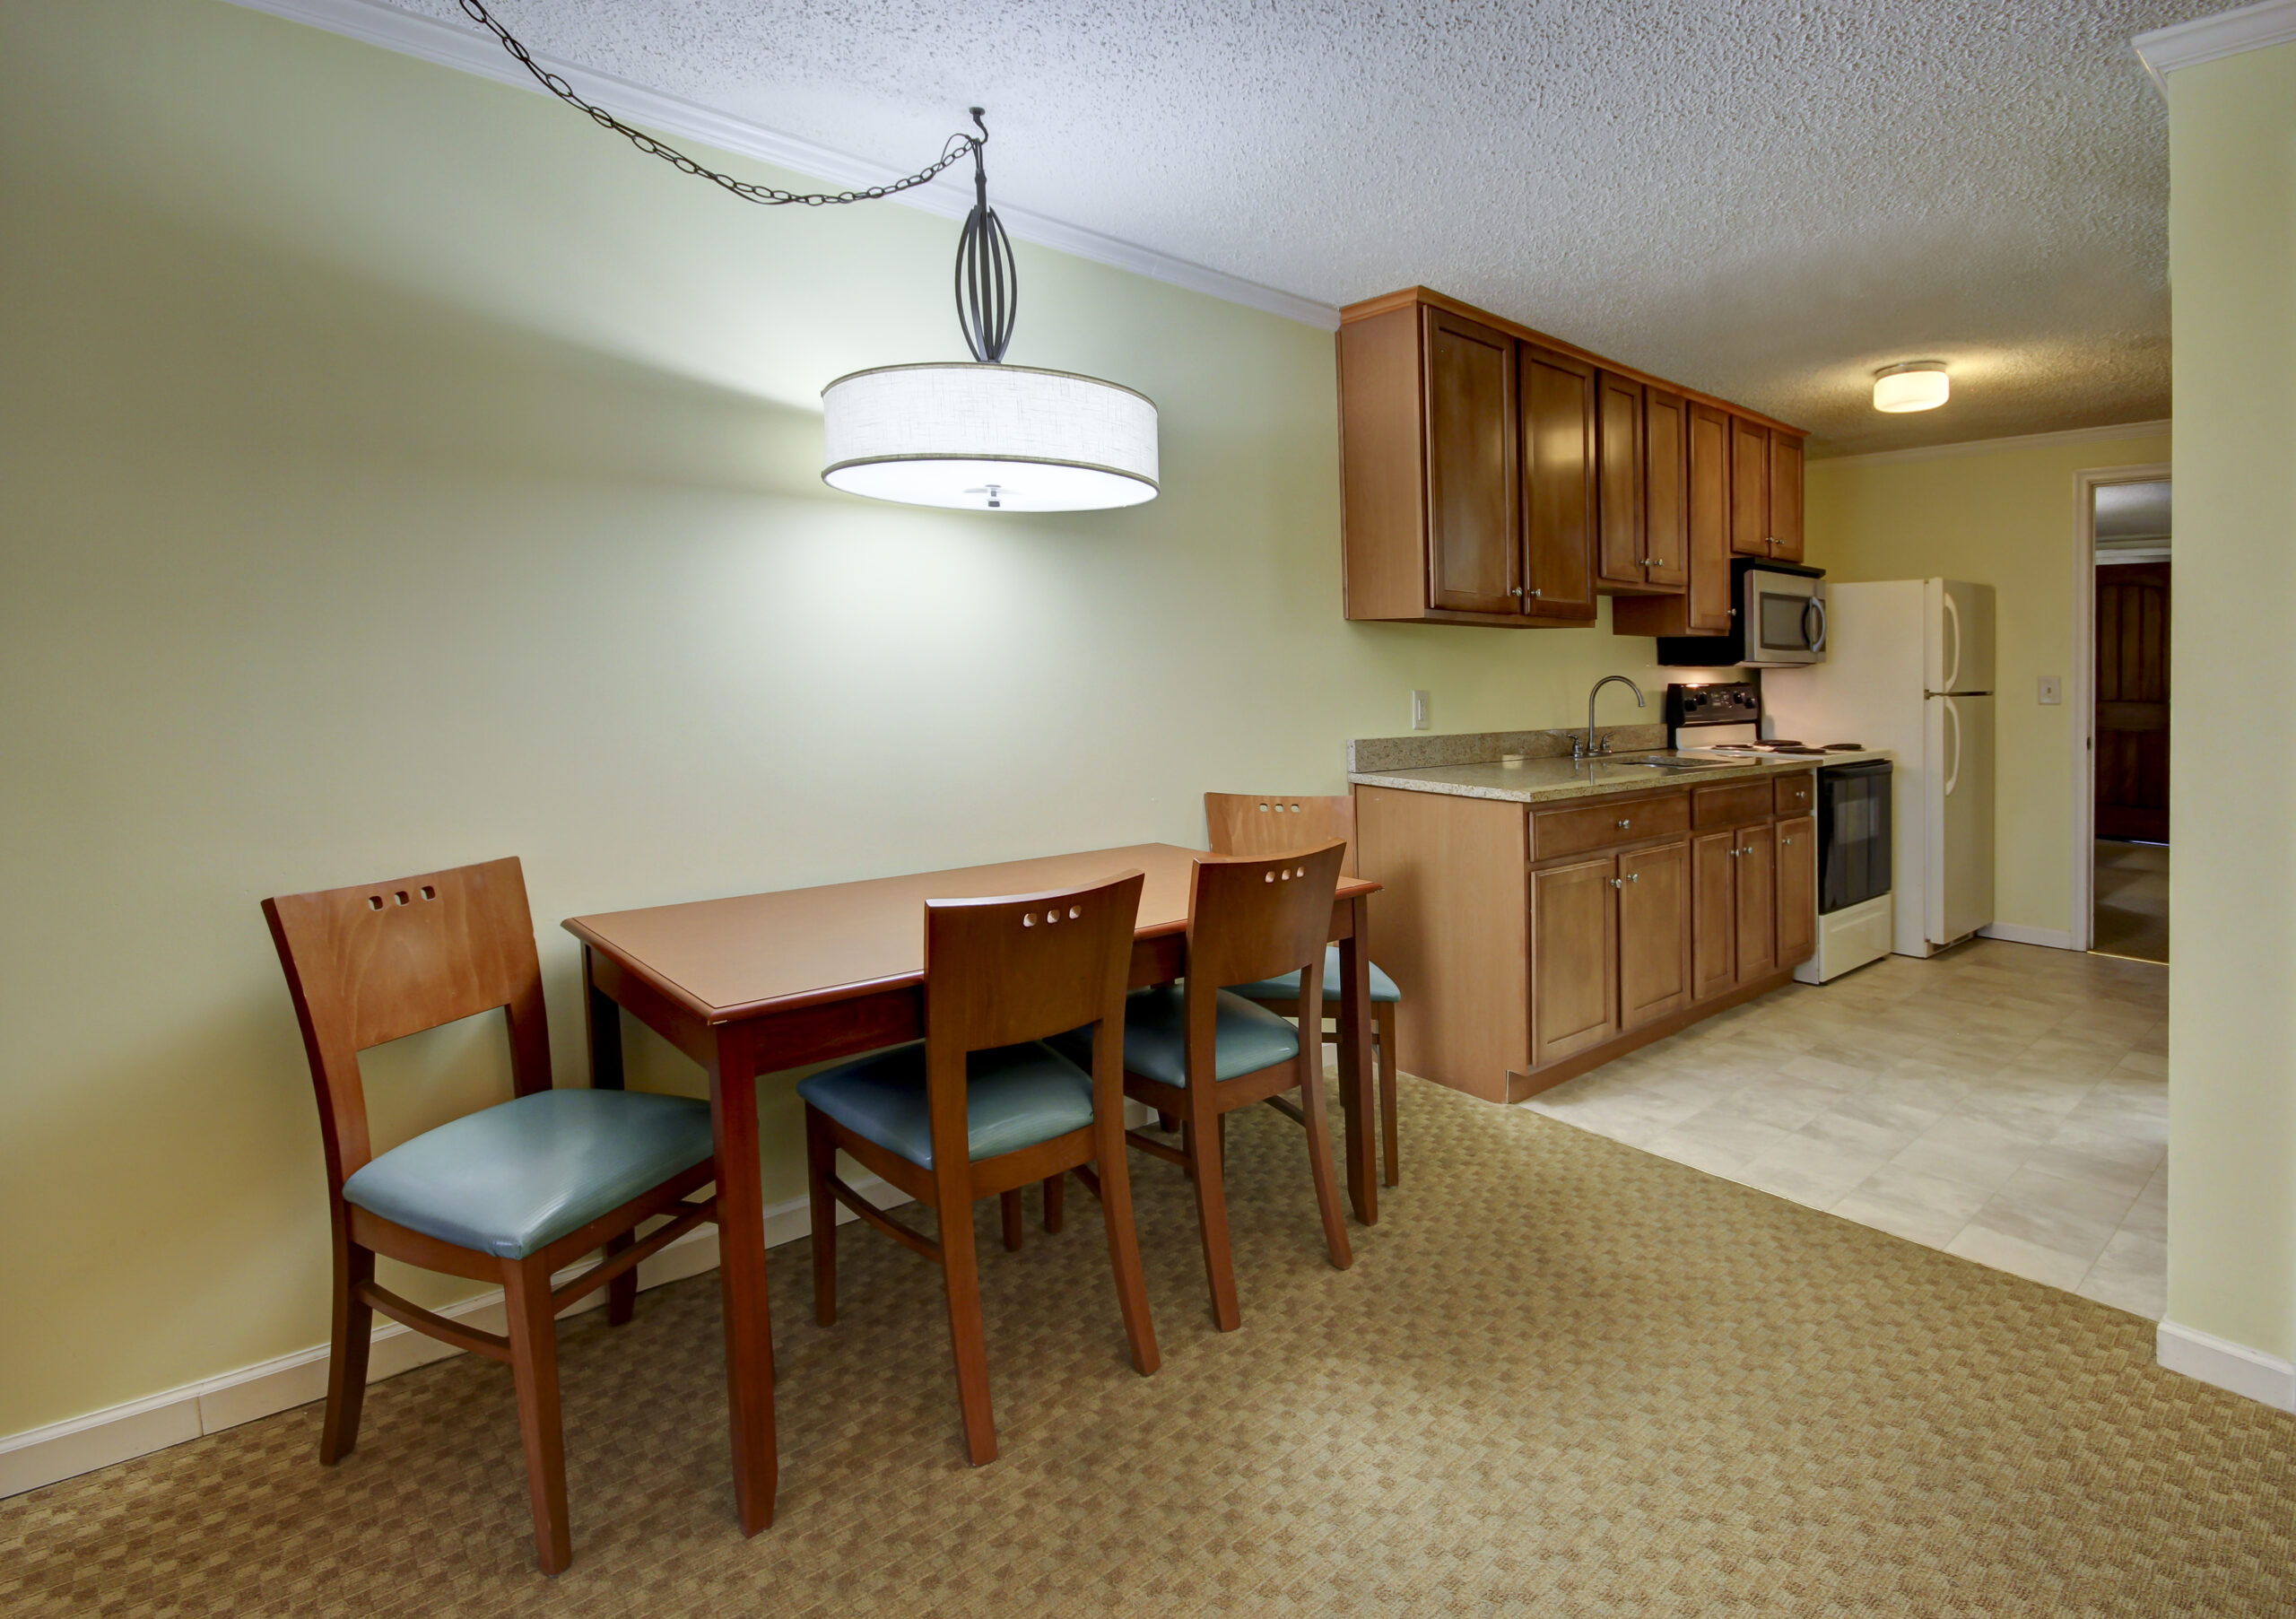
x,y
1953,775
1954,618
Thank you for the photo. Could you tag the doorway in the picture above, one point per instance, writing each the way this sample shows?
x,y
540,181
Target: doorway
x,y
2131,529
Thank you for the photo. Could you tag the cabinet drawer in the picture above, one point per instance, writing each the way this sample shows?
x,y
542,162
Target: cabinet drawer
x,y
1732,805
1797,794
1557,833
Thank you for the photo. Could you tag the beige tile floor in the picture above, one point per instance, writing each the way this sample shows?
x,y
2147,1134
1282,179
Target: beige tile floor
x,y
2004,1102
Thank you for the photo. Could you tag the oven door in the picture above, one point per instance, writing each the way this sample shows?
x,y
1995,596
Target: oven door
x,y
1783,617
1853,852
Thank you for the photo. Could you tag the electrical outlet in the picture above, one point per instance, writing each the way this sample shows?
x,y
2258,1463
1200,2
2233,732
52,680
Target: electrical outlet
x,y
1419,710
2052,688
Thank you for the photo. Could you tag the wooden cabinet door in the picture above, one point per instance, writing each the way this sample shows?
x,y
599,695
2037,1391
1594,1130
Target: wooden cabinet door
x,y
1558,460
1797,891
1786,497
1756,898
1574,956
1665,504
1713,913
1707,517
1654,937
1474,504
1749,488
1618,547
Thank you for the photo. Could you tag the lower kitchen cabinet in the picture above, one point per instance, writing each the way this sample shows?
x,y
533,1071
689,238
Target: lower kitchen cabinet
x,y
1574,958
1538,941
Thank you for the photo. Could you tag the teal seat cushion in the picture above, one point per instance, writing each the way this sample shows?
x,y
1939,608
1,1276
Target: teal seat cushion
x,y
511,1179
1287,988
1246,1038
1015,1096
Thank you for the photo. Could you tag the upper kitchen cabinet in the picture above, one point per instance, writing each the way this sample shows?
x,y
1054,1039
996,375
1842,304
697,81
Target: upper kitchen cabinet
x,y
1702,510
1765,491
1491,474
1561,441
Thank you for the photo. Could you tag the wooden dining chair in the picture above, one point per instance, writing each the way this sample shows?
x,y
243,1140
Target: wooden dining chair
x,y
1264,823
510,1193
980,1108
1198,1052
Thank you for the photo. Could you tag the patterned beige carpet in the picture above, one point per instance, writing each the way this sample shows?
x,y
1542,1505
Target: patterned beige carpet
x,y
1564,1377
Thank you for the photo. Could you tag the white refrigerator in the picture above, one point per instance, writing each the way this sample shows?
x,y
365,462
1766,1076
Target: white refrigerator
x,y
1909,667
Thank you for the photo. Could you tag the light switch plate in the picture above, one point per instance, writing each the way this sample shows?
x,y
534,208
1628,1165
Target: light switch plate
x,y
1419,710
2052,688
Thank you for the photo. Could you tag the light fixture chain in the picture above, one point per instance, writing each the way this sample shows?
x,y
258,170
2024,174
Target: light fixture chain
x,y
747,190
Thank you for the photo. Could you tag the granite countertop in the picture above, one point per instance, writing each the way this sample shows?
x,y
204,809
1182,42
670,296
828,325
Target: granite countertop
x,y
1545,780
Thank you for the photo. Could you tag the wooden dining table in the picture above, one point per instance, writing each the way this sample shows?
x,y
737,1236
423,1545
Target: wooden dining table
x,y
761,983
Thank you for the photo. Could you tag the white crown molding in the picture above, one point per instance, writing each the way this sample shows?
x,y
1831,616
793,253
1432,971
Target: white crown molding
x,y
2164,50
1990,447
373,22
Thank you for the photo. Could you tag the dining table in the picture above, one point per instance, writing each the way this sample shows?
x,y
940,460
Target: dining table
x,y
761,983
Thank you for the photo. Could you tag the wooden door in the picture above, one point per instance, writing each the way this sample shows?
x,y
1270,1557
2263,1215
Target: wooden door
x,y
1574,956
1749,488
1618,496
2133,702
1665,508
1708,518
1654,935
1785,497
1713,914
1559,501
1756,898
1474,509
1797,891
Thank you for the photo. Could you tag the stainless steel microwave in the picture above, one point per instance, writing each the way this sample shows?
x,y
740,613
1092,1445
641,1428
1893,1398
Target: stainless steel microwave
x,y
1778,619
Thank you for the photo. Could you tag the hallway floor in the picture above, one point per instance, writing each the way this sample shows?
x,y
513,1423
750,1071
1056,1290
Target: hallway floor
x,y
2132,900
2005,1103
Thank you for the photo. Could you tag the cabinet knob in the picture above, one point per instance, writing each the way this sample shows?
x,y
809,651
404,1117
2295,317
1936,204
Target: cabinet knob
x,y
1519,590
1786,842
1533,592
1634,876
1624,822
1616,884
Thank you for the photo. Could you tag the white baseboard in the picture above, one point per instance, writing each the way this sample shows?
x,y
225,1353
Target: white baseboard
x,y
2017,933
2221,1363
80,1444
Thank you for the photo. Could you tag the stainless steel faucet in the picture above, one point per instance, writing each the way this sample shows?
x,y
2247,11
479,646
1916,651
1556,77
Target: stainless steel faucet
x,y
1586,748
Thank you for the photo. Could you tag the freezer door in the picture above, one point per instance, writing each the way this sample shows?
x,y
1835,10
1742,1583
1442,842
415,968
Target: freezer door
x,y
1959,817
1957,636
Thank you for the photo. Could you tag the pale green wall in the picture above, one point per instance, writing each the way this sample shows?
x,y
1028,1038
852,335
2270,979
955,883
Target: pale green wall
x,y
2232,777
2004,519
399,472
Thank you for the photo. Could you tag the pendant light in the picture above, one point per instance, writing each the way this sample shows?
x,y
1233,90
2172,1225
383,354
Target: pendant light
x,y
984,436
987,436
1915,385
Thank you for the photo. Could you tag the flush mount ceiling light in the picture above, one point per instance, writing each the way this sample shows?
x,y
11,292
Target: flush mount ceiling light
x,y
1916,384
984,436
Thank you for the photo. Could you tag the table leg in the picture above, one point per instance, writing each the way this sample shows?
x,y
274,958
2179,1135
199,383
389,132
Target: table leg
x,y
605,1020
1358,1090
741,1273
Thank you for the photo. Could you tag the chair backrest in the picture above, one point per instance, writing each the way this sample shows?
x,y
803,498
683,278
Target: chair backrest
x,y
1268,823
1021,967
1254,917
383,959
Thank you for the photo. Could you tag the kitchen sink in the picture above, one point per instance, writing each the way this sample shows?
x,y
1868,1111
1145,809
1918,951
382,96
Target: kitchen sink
x,y
1686,764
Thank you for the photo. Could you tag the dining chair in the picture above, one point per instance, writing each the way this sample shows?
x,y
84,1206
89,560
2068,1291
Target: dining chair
x,y
981,1108
1198,1052
1263,824
509,1193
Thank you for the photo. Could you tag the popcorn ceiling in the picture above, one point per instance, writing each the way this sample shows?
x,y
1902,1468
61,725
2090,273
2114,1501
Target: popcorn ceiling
x,y
1761,198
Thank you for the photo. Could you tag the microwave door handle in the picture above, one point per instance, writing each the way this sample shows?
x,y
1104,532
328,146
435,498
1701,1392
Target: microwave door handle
x,y
1954,618
1817,642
